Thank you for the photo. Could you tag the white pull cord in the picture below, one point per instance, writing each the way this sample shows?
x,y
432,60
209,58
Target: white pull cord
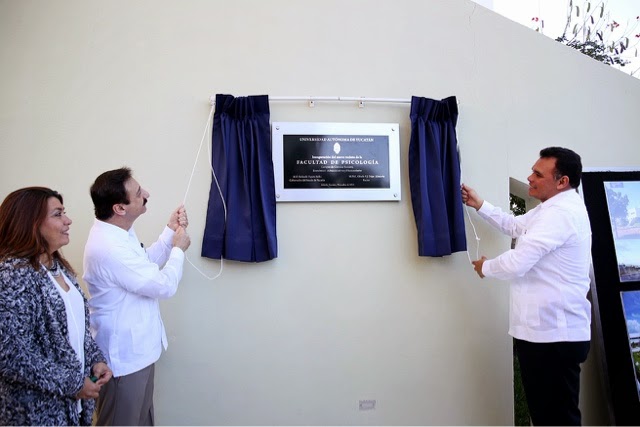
x,y
466,209
215,178
476,234
204,134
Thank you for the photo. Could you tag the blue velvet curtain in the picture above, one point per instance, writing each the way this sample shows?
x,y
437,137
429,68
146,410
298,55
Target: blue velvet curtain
x,y
434,177
241,159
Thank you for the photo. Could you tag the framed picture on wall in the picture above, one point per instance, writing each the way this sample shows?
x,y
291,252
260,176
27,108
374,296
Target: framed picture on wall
x,y
623,203
612,198
631,309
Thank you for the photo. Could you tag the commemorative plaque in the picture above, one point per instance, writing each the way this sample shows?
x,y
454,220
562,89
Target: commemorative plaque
x,y
336,161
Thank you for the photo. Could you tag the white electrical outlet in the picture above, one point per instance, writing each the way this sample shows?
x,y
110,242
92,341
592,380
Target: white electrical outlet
x,y
367,405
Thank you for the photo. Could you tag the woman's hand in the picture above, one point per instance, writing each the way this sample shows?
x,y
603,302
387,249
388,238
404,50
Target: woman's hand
x,y
89,390
102,373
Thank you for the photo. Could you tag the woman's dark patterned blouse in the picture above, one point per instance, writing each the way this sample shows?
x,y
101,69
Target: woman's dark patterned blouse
x,y
39,370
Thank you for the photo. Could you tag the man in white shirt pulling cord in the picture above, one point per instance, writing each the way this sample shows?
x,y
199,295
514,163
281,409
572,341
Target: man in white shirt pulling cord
x,y
550,314
125,282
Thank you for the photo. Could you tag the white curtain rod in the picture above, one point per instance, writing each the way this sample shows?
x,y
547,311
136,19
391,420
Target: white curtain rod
x,y
312,99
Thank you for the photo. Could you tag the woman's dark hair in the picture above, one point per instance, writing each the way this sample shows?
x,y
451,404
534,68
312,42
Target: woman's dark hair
x,y
21,214
568,163
108,190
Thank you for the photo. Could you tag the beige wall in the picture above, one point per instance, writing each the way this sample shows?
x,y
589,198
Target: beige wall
x,y
348,311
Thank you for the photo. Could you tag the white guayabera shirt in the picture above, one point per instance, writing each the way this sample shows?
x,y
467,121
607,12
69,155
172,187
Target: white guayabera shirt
x,y
548,268
125,282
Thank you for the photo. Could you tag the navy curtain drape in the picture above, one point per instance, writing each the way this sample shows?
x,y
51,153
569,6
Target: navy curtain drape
x,y
241,159
434,177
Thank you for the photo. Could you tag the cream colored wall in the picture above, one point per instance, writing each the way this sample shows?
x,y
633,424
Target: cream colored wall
x,y
347,311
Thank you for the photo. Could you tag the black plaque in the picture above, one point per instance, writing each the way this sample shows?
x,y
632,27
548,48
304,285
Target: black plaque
x,y
336,161
317,161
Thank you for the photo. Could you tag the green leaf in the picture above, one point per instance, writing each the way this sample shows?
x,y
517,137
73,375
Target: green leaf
x,y
575,29
601,10
588,7
577,11
626,45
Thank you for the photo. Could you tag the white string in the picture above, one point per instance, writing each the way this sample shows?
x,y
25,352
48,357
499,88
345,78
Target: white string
x,y
215,178
204,134
476,234
466,209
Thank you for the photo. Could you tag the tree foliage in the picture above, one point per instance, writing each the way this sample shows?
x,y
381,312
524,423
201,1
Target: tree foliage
x,y
590,29
517,205
617,204
596,50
